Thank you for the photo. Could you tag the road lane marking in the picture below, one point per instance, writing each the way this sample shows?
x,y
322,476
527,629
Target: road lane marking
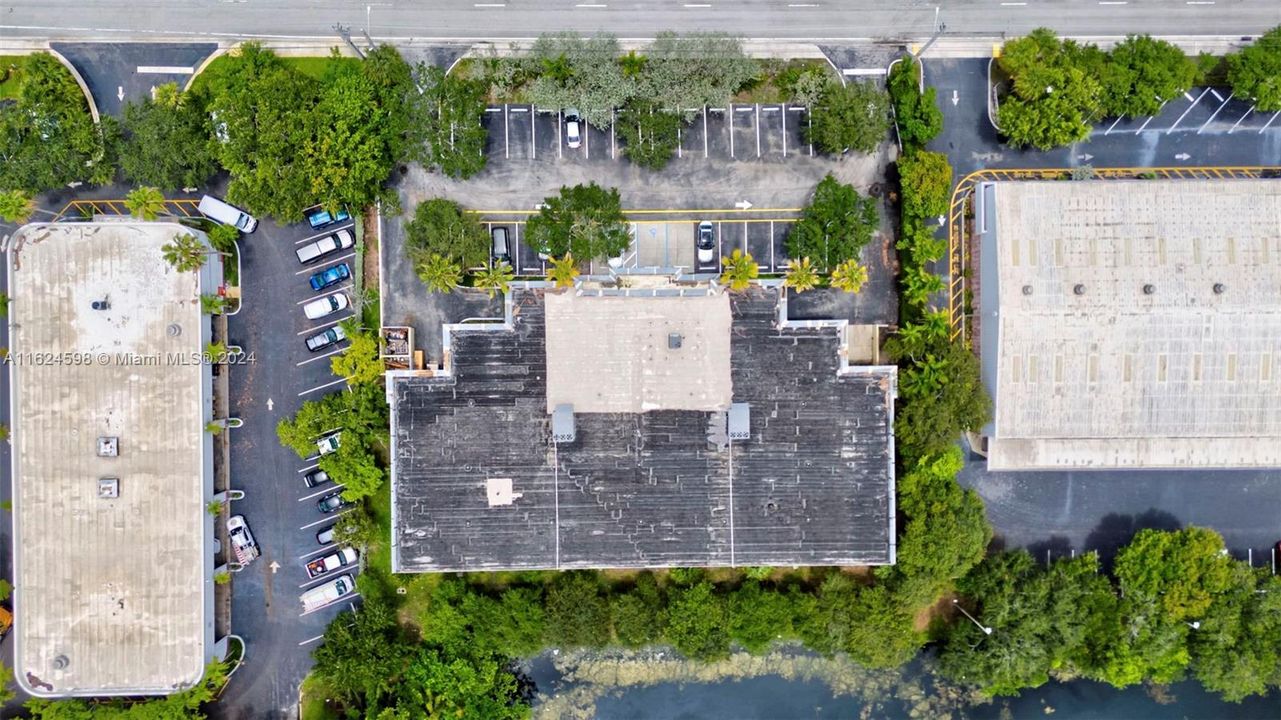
x,y
489,5
1014,4
320,357
802,5
697,5
322,387
1185,112
590,5
165,70
1112,2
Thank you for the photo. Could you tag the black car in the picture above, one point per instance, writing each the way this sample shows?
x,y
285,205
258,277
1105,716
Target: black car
x,y
315,477
331,502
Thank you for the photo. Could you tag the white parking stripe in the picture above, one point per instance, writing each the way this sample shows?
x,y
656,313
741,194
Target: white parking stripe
x,y
731,131
348,596
325,491
704,132
744,237
1217,96
316,268
323,548
327,291
1243,117
613,143
784,129
533,134
809,119
758,129
679,150
1274,117
507,153
1222,104
322,387
1185,112
326,519
308,641
1188,95
318,328
1113,125
329,231
165,70
320,357
560,128
773,265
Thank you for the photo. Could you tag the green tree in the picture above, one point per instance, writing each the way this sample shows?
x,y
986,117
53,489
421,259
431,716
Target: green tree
x,y
1142,73
1184,570
584,73
1236,651
354,467
165,140
926,179
585,221
6,589
834,227
738,270
884,635
364,656
359,362
361,412
829,626
1056,94
640,614
512,625
438,685
450,122
576,612
185,253
632,64
358,529
223,237
801,275
16,206
697,623
494,279
47,137
758,617
213,304
850,117
442,226
916,114
147,203
562,272
849,276
439,273
928,423
1255,72
694,70
650,134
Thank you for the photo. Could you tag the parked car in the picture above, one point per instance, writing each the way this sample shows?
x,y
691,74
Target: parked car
x,y
327,305
327,593
227,214
325,338
573,128
332,561
6,621
320,217
243,544
326,536
501,251
315,477
331,502
328,443
706,244
330,276
313,251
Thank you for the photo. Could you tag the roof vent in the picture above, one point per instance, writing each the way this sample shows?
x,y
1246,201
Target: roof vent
x,y
1149,289
563,429
740,417
61,662
499,491
1027,289
1219,288
674,341
174,330
108,446
1079,289
108,488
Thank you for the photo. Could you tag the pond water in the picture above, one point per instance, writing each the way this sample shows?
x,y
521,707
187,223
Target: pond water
x,y
654,685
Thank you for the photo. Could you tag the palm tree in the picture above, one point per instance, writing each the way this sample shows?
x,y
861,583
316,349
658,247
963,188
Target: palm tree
x,y
801,275
739,270
633,64
563,271
439,273
16,206
926,377
186,253
558,68
494,279
213,304
145,202
919,285
216,351
849,276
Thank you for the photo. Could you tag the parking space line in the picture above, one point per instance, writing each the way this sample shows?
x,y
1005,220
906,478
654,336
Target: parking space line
x,y
322,387
613,143
533,133
308,641
328,324
1187,95
1222,104
348,596
1270,120
327,519
1185,112
1217,96
1113,125
318,493
772,264
731,130
809,118
784,131
720,242
312,268
314,581
758,130
507,146
704,132
323,548
1243,117
560,128
309,467
587,139
327,291
516,250
320,357
1145,122
679,142
329,231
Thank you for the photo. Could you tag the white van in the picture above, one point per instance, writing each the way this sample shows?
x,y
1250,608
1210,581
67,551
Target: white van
x,y
322,595
215,209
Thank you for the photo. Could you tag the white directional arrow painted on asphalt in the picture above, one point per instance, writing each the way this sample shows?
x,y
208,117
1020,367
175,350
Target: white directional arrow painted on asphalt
x,y
274,567
942,221
1183,156
956,97
120,93
270,404
1085,158
743,205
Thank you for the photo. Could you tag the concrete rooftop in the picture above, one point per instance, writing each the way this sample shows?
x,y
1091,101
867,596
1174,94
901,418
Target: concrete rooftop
x,y
1133,324
110,593
479,484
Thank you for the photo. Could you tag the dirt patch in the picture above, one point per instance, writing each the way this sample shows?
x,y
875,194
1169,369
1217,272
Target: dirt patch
x,y
373,243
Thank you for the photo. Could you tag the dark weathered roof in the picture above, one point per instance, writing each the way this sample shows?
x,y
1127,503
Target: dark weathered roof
x,y
812,486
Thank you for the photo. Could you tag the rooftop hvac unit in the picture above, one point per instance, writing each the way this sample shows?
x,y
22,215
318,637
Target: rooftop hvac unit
x,y
108,446
740,421
108,488
563,430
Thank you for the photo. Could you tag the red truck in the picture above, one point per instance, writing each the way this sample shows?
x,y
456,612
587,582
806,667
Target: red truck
x,y
332,561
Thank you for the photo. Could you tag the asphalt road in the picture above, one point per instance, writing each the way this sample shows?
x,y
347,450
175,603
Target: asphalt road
x,y
117,73
468,19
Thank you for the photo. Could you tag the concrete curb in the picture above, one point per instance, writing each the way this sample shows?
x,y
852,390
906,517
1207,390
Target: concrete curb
x,y
222,50
84,89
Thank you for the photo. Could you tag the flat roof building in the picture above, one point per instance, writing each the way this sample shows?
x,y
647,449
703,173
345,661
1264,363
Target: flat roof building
x,y
1131,324
112,466
596,430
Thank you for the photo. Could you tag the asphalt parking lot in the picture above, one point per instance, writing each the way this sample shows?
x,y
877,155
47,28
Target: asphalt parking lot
x,y
738,131
1199,110
117,73
280,510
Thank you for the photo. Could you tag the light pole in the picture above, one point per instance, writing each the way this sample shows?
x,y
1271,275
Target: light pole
x,y
986,630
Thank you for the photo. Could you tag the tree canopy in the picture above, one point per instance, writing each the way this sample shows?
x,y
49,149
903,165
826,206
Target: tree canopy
x,y
441,227
834,227
166,140
1142,73
850,117
1255,72
916,114
586,221
450,116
